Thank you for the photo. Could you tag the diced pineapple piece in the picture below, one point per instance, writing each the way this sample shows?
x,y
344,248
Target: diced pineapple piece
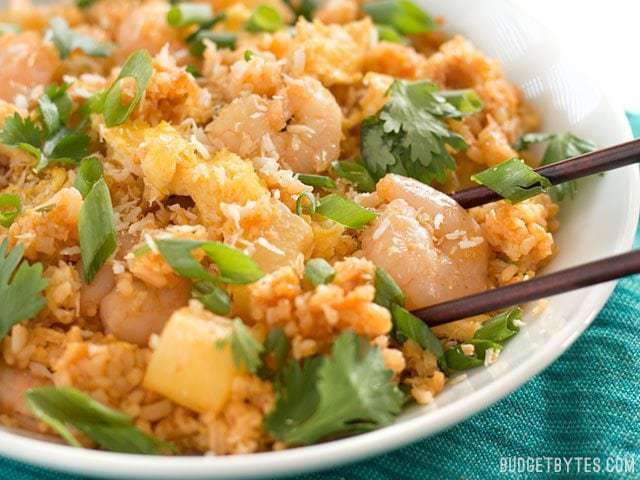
x,y
187,366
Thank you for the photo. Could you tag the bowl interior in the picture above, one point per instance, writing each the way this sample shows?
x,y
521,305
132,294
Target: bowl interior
x,y
599,222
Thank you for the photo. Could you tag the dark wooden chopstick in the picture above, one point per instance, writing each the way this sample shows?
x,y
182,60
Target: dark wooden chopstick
x,y
599,161
539,287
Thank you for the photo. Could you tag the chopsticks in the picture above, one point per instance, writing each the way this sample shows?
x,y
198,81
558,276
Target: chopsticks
x,y
599,161
539,287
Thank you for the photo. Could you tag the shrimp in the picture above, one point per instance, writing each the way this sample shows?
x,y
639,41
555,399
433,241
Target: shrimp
x,y
301,125
14,384
146,27
26,61
430,245
133,311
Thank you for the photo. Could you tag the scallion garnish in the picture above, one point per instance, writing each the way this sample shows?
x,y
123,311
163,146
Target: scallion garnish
x,y
321,181
96,229
89,172
187,13
559,147
214,298
221,39
193,71
403,15
264,19
10,208
355,173
386,33
68,40
501,327
64,407
318,271
311,202
513,180
387,290
408,326
248,55
344,211
138,67
465,101
234,266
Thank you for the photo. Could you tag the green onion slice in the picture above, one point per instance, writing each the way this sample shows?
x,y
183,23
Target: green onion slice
x,y
501,327
10,208
355,173
513,179
187,13
403,15
137,66
344,211
61,407
221,39
319,272
264,19
466,101
408,326
96,229
89,172
311,200
214,298
321,181
387,290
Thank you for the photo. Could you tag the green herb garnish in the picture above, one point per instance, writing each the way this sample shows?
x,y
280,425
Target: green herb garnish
x,y
248,55
387,290
356,174
234,266
187,13
264,19
318,271
10,208
501,327
193,71
344,211
311,201
214,298
560,147
62,407
347,392
21,287
408,326
403,15
88,173
408,136
85,3
513,180
274,356
96,229
109,103
321,181
303,8
68,40
466,101
221,39
387,33
245,349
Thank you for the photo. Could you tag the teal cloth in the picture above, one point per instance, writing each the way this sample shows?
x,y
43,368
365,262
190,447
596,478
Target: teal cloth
x,y
587,404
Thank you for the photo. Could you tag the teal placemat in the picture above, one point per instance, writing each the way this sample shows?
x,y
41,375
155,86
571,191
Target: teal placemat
x,y
580,417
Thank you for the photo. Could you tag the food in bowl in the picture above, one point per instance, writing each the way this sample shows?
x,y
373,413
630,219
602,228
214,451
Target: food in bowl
x,y
217,218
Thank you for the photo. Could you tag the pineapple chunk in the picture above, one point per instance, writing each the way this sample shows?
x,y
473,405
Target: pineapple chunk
x,y
187,366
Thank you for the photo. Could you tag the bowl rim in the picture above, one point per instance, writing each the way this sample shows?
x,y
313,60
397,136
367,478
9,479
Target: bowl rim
x,y
327,455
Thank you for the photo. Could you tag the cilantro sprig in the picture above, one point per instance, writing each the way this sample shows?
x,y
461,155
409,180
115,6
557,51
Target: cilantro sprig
x,y
409,136
346,392
52,139
560,146
21,287
61,407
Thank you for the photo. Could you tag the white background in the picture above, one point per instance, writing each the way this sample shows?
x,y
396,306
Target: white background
x,y
605,37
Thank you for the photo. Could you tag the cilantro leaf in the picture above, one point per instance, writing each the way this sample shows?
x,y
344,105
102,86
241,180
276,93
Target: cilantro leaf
x,y
276,349
513,180
560,146
409,137
21,286
60,407
55,107
21,132
354,173
245,349
346,392
67,40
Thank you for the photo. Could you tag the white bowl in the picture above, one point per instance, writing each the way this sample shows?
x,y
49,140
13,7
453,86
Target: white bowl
x,y
599,222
